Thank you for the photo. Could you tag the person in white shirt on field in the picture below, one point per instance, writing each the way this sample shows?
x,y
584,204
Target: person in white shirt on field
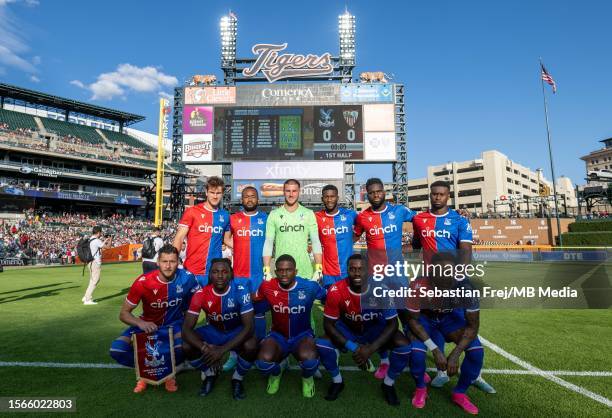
x,y
96,245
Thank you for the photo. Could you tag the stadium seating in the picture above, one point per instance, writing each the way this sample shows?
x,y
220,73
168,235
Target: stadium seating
x,y
17,120
86,133
127,140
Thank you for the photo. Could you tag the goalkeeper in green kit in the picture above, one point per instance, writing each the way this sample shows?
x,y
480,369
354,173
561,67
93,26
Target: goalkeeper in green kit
x,y
287,232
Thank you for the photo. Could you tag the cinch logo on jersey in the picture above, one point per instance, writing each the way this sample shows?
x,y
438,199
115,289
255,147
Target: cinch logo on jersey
x,y
382,230
244,232
328,230
432,233
218,317
166,303
292,228
363,317
209,229
281,308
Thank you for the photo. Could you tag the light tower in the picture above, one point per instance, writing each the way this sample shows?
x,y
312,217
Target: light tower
x,y
228,29
346,33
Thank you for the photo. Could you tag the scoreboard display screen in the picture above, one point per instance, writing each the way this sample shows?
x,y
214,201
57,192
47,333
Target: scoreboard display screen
x,y
268,133
281,133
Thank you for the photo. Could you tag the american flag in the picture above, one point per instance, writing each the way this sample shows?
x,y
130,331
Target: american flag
x,y
548,78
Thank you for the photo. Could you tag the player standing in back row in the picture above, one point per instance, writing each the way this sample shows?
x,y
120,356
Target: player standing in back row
x,y
336,235
204,225
287,232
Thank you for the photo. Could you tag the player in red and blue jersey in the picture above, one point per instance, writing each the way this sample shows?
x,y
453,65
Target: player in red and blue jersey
x,y
382,224
229,313
248,234
336,234
456,318
290,299
442,229
165,295
350,326
204,225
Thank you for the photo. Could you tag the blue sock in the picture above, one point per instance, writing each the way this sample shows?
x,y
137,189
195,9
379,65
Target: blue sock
x,y
122,352
328,355
309,367
243,366
260,326
179,357
398,359
383,354
471,366
417,363
268,367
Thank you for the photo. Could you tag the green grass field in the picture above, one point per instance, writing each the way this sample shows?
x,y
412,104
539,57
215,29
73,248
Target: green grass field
x,y
42,320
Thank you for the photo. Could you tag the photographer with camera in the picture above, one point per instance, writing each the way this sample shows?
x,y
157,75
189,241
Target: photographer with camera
x,y
96,245
151,246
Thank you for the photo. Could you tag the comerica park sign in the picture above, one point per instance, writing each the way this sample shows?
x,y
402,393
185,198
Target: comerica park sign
x,y
275,66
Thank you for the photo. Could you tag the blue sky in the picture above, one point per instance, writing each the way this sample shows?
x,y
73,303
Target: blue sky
x,y
470,68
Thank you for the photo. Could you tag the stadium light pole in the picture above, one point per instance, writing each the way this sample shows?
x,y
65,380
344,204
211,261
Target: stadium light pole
x,y
346,32
228,28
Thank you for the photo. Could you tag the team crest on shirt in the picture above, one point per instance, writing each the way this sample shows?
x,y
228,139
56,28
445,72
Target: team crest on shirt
x,y
391,216
209,303
179,288
202,216
425,220
275,293
239,220
447,222
260,221
221,219
155,291
347,302
370,218
342,218
301,295
240,287
230,303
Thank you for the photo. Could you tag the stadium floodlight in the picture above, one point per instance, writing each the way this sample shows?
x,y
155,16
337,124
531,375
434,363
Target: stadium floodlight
x,y
346,30
228,26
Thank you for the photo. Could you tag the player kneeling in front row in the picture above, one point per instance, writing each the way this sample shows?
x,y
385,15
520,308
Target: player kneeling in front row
x,y
290,298
229,313
457,319
349,326
165,293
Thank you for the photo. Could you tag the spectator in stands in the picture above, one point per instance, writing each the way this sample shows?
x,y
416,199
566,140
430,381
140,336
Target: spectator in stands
x,y
150,248
96,245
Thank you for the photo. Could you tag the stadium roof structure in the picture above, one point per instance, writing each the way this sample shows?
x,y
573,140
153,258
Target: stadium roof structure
x,y
43,99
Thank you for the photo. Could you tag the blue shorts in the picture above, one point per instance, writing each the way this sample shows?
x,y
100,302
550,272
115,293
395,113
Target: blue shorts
x,y
444,324
176,328
367,337
202,279
328,280
288,345
215,336
249,283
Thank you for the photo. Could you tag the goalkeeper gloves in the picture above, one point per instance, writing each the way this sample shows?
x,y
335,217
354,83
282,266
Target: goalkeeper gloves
x,y
318,273
267,274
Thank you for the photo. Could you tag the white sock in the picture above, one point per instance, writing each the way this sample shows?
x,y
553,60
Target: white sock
x,y
384,360
388,381
237,376
337,378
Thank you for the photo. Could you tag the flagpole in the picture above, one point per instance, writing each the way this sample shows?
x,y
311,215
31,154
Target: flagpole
x,y
550,156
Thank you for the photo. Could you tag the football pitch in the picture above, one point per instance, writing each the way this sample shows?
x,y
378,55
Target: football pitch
x,y
543,362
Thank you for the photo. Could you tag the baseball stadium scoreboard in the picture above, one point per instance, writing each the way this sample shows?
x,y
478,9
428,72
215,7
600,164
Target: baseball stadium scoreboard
x,y
312,126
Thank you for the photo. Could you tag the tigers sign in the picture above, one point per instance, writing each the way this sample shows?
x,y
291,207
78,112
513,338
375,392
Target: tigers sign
x,y
275,66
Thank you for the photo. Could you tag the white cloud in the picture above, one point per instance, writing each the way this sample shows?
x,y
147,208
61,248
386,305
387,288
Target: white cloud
x,y
34,79
127,77
13,47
